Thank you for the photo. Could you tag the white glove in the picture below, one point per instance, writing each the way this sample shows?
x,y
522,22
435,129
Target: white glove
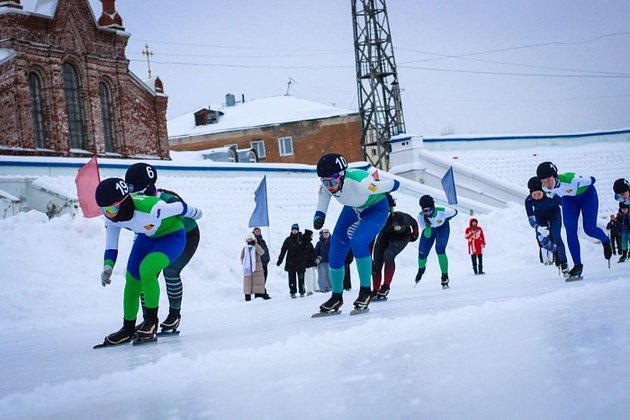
x,y
193,213
318,260
106,275
543,231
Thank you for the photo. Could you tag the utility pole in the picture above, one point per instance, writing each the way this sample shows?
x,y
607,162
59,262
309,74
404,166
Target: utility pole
x,y
379,100
146,52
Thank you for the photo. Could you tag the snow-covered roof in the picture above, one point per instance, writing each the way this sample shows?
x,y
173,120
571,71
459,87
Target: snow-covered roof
x,y
255,113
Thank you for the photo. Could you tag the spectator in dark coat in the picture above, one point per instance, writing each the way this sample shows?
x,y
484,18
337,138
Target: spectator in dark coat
x,y
614,233
293,248
323,273
265,258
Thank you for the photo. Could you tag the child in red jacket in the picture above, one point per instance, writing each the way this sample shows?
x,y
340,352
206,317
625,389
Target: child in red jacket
x,y
476,243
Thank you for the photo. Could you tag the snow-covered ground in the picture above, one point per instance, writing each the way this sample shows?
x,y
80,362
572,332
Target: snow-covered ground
x,y
516,343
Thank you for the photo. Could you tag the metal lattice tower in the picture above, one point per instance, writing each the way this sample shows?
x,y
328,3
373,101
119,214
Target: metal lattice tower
x,y
377,80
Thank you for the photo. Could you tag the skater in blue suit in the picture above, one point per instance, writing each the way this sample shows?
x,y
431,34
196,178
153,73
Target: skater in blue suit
x,y
578,196
365,211
545,216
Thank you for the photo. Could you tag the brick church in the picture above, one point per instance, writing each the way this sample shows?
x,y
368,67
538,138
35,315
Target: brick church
x,y
66,88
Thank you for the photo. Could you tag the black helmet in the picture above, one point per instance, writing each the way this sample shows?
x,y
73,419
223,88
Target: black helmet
x,y
621,186
139,176
330,164
546,170
534,184
110,191
426,201
623,205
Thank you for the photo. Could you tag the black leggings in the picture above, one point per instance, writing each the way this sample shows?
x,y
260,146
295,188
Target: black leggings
x,y
474,259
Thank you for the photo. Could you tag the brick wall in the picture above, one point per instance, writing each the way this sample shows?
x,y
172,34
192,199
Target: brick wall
x,y
44,45
311,140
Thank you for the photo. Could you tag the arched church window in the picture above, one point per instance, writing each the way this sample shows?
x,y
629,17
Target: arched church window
x,y
76,122
107,114
37,109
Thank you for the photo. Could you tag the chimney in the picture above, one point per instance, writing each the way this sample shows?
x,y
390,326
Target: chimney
x,y
230,100
15,4
110,17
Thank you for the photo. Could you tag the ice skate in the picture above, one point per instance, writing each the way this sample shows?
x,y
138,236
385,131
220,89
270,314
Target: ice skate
x,y
147,332
330,307
171,322
444,281
419,275
122,336
575,273
607,251
382,293
364,298
333,304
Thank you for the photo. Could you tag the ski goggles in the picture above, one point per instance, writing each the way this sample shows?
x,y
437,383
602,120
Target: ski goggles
x,y
142,190
332,181
427,210
113,210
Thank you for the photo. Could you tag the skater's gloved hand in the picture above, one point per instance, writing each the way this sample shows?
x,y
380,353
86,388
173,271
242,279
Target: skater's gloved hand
x,y
318,220
318,260
193,213
543,231
279,263
427,232
106,275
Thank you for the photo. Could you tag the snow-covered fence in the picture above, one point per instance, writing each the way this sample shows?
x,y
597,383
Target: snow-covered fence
x,y
478,141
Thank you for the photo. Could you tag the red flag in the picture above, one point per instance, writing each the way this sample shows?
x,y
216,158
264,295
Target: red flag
x,y
87,180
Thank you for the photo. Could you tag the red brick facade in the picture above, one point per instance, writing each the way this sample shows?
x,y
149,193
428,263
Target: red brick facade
x,y
311,139
35,44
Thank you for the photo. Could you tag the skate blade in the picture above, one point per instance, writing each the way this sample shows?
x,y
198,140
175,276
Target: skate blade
x,y
168,333
324,314
142,341
105,344
446,286
576,278
359,311
379,299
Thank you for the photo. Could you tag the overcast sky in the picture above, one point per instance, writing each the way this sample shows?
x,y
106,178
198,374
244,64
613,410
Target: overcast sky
x,y
464,66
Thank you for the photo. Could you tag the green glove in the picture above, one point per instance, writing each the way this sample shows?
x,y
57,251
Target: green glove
x,y
427,232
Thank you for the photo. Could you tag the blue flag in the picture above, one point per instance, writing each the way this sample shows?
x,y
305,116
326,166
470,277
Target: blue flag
x,y
448,184
260,216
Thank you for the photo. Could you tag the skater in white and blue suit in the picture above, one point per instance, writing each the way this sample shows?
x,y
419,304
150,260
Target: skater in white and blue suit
x,y
433,223
364,214
578,196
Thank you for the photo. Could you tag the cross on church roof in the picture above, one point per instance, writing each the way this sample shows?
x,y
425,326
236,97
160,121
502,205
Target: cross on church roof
x,y
148,53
